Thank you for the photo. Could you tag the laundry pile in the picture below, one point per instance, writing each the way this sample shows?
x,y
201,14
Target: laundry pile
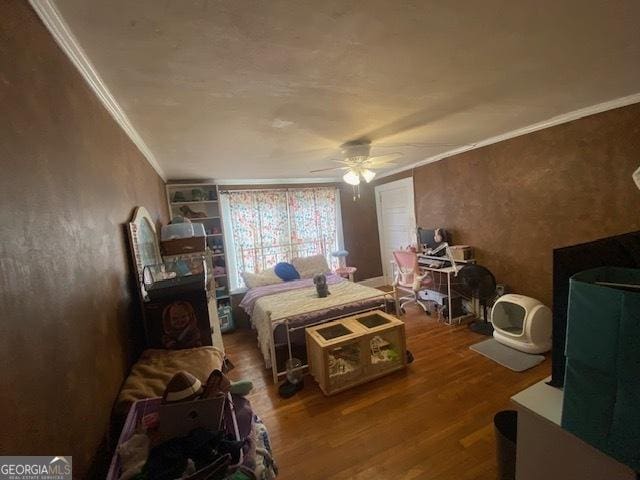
x,y
227,441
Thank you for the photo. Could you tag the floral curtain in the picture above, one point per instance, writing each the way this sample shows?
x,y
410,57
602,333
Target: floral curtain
x,y
271,226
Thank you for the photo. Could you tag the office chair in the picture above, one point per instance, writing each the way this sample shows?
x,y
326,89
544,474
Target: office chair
x,y
409,280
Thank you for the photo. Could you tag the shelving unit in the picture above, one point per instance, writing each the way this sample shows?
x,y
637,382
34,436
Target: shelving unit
x,y
200,203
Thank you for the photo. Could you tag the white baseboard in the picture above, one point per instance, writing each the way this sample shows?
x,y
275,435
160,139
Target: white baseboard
x,y
374,282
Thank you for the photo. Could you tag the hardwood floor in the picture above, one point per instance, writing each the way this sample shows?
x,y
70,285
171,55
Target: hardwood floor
x,y
432,421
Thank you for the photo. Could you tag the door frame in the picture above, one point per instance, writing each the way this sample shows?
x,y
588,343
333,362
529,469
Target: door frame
x,y
403,182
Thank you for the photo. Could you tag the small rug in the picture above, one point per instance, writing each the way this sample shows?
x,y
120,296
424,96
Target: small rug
x,y
507,356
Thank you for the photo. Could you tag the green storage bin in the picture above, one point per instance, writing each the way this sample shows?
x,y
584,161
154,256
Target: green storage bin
x,y
602,380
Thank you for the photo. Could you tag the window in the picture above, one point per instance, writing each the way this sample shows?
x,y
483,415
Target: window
x,y
264,227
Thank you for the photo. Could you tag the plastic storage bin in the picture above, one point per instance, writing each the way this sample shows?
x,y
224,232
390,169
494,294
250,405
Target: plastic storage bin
x,y
602,380
150,405
175,231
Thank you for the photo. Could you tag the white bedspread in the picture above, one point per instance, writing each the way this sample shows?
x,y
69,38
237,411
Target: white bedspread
x,y
302,305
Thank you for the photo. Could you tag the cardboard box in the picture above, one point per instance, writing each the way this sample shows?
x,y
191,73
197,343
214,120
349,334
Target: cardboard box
x,y
461,252
180,246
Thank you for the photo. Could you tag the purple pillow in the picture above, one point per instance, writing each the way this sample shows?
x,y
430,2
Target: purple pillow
x,y
286,271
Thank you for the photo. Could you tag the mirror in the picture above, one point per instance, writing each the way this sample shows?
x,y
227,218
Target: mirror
x,y
144,244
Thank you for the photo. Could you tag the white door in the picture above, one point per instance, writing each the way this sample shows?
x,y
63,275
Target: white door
x,y
396,220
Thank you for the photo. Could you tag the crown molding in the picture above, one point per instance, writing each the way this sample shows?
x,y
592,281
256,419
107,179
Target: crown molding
x,y
52,19
275,181
551,122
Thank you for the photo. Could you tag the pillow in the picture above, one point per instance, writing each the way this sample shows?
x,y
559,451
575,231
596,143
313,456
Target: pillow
x,y
307,267
286,271
266,277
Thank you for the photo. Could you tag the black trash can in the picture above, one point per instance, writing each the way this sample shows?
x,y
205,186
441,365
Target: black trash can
x,y
506,427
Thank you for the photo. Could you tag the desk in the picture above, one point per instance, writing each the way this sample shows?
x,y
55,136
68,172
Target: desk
x,y
448,271
546,450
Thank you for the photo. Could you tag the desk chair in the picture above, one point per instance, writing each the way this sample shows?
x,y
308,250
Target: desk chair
x,y
409,280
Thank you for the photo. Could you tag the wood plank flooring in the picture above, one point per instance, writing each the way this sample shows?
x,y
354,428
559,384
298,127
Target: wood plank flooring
x,y
432,421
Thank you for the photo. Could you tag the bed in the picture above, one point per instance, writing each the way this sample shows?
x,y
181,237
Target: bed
x,y
282,311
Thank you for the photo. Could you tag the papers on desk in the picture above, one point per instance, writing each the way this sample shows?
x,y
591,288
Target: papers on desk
x,y
432,261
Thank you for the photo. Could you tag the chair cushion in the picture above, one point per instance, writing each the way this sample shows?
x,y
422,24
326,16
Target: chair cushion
x,y
286,271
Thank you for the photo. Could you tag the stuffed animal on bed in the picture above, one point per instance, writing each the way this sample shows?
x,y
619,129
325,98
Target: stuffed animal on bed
x,y
321,285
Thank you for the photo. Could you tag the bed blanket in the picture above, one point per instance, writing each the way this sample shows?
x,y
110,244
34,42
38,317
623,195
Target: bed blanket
x,y
254,294
151,373
302,305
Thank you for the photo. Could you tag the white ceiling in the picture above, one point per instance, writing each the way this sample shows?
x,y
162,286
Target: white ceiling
x,y
234,89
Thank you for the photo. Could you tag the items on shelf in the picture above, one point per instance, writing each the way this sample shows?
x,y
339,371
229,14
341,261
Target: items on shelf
x,y
216,245
221,290
198,195
226,318
179,197
187,212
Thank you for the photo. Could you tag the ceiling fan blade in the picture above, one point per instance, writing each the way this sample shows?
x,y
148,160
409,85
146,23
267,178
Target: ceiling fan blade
x,y
381,165
386,157
377,164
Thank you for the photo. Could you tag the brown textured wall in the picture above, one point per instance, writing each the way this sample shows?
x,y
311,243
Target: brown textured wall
x,y
517,200
360,226
70,179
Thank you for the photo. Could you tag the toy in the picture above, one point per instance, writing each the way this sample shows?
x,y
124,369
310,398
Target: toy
x,y
197,195
180,327
182,387
188,213
320,282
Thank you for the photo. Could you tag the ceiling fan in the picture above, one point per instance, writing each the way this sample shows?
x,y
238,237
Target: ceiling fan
x,y
359,164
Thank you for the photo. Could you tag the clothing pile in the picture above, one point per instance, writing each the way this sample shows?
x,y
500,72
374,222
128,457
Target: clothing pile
x,y
233,446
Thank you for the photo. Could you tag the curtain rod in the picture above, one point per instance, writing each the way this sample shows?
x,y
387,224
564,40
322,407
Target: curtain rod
x,y
229,190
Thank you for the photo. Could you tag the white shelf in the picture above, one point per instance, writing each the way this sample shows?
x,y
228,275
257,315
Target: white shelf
x,y
208,206
543,400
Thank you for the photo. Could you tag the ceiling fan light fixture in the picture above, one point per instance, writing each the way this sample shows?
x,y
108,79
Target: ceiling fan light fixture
x,y
351,177
368,175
